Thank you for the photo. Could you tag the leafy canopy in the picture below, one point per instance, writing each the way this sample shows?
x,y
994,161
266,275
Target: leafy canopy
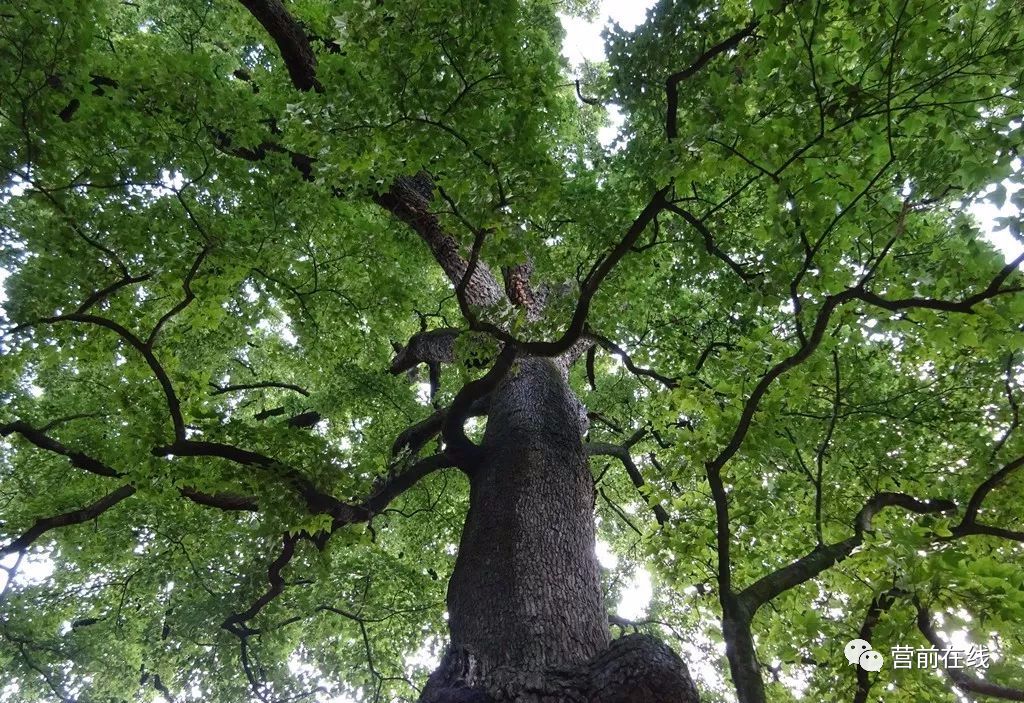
x,y
202,294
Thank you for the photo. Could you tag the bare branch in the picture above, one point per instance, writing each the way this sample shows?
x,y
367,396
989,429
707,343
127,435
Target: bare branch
x,y
583,98
236,621
960,678
964,305
431,347
184,303
627,361
970,518
519,291
400,482
593,281
709,243
459,447
105,293
223,501
173,404
723,553
408,199
1011,401
879,605
415,436
990,530
232,388
673,81
823,557
75,517
80,460
44,441
316,500
622,454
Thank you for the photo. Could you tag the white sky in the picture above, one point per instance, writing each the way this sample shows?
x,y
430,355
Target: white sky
x,y
583,42
583,39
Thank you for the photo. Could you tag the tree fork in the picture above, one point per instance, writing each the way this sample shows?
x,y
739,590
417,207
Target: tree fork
x,y
527,614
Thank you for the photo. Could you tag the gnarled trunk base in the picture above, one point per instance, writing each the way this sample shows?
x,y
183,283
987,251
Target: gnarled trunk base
x,y
633,669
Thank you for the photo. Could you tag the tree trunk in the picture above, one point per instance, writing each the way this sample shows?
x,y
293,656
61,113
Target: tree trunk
x,y
739,650
526,612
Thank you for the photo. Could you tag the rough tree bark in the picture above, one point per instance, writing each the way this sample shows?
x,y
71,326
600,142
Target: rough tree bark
x,y
527,617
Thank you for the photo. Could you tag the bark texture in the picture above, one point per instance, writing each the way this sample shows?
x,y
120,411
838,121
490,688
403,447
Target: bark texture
x,y
409,199
526,574
526,612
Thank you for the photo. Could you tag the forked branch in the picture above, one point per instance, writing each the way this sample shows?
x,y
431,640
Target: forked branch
x,y
823,557
673,81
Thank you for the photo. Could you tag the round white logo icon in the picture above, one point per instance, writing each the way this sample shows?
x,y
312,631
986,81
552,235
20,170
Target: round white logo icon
x,y
854,648
871,661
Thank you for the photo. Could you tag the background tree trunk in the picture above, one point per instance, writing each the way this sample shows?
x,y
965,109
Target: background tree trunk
x,y
527,615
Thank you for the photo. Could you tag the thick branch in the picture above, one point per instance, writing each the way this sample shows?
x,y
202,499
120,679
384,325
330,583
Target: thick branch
x,y
964,305
879,605
291,40
236,622
415,436
462,450
75,517
409,200
44,441
432,347
400,482
393,487
990,530
974,504
80,460
223,501
104,293
173,404
824,556
595,278
316,501
519,291
720,498
302,163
